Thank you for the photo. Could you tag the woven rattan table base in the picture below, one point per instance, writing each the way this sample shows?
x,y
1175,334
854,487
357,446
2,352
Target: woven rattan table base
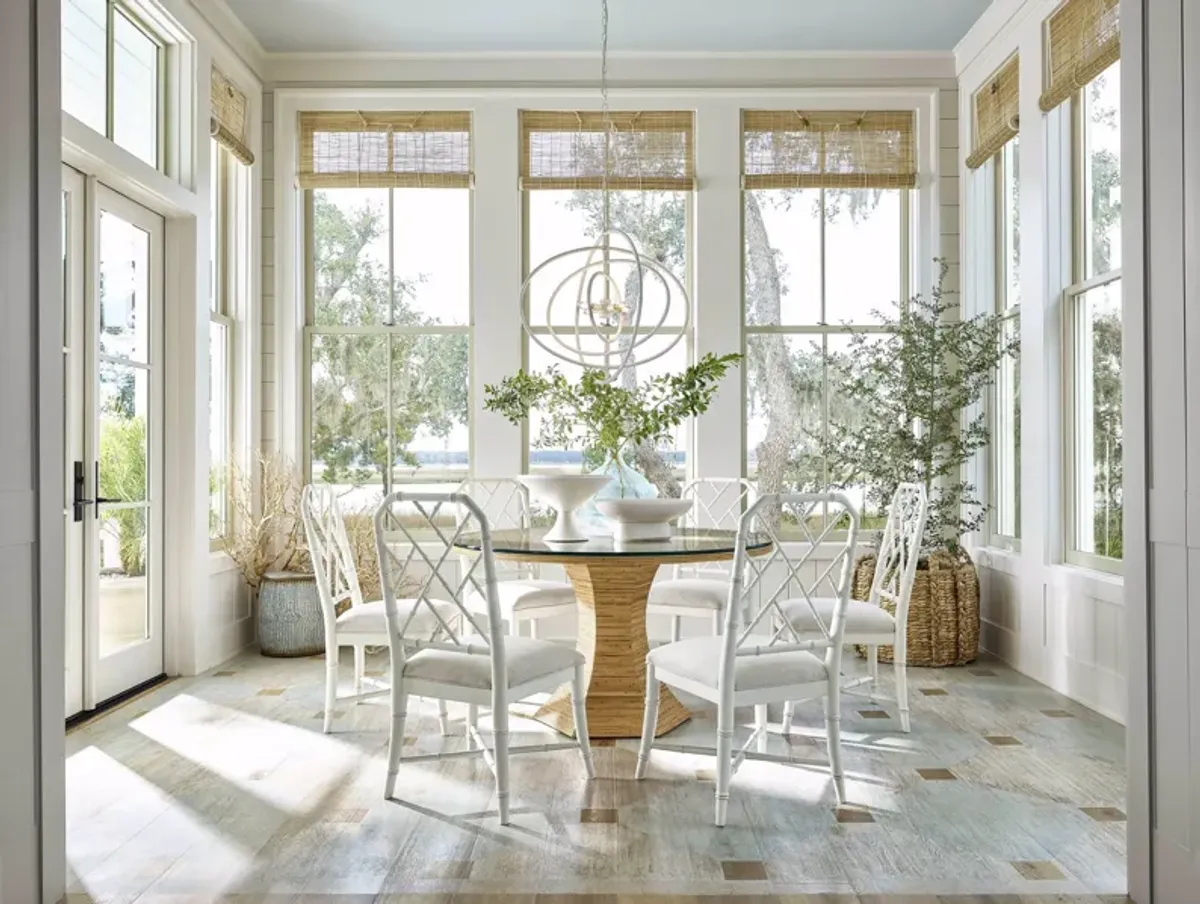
x,y
612,595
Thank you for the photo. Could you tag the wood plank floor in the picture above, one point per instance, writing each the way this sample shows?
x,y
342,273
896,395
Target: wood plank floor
x,y
223,788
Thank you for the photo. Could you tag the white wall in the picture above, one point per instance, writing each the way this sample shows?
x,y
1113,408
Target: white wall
x,y
31,523
1162,399
1060,624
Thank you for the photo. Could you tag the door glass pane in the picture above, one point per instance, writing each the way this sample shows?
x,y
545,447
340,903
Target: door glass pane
x,y
124,288
135,89
124,601
122,523
124,402
84,66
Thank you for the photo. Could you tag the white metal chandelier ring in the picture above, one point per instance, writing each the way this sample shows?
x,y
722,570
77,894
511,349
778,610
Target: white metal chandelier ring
x,y
600,307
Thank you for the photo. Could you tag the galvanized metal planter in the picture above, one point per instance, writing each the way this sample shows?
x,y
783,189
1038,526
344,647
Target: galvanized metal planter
x,y
289,615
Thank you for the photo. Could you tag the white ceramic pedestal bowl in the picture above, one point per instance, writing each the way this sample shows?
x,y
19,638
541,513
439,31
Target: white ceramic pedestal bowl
x,y
642,519
565,493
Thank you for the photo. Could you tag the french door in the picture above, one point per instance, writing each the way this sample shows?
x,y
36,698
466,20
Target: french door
x,y
112,360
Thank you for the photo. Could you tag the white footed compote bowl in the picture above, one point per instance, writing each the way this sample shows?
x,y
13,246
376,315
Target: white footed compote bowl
x,y
642,519
565,493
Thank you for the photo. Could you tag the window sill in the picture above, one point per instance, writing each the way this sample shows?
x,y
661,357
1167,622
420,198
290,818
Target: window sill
x,y
220,563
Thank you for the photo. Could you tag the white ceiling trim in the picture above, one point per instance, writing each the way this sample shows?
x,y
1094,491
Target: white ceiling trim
x,y
681,69
232,31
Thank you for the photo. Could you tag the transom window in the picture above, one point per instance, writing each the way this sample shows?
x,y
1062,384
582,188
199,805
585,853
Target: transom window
x,y
388,217
113,75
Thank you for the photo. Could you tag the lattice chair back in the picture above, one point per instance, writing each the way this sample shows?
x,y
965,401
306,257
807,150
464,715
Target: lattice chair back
x,y
415,522
329,548
717,503
505,503
900,550
791,570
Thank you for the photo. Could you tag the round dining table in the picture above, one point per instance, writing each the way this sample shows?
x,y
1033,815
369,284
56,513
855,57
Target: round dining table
x,y
612,584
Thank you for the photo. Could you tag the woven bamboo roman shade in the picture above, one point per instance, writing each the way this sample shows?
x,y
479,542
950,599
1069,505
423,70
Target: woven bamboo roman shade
x,y
385,150
1083,38
228,117
997,112
648,151
828,149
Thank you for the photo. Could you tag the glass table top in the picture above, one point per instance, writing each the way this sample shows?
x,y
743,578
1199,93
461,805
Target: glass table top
x,y
683,542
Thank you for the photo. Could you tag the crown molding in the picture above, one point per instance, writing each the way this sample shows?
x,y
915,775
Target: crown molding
x,y
234,33
998,18
576,69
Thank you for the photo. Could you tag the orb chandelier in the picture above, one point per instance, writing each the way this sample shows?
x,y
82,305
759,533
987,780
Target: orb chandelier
x,y
615,320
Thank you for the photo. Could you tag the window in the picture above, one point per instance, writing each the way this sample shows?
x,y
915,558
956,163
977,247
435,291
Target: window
x,y
112,75
220,336
389,295
1006,412
649,196
825,221
1093,327
229,245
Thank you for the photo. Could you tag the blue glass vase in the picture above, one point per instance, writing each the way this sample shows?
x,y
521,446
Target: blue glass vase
x,y
626,483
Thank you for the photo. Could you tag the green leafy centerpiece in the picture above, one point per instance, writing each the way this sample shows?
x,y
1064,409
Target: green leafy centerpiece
x,y
610,422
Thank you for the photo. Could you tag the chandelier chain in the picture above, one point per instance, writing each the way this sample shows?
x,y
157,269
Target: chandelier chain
x,y
606,118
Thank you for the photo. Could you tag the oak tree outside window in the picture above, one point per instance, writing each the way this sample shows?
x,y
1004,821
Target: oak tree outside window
x,y
649,187
388,209
826,233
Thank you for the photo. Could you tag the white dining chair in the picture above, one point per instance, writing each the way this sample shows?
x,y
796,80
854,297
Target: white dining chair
x,y
362,624
458,659
868,622
523,595
700,590
760,660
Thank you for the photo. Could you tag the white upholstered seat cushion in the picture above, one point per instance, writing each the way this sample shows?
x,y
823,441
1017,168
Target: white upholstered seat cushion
x,y
699,659
369,618
523,594
861,618
692,593
527,660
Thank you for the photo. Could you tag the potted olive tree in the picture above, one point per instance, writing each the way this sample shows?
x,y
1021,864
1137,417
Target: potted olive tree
x,y
919,385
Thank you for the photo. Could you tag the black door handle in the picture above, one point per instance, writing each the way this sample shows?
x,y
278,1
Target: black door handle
x,y
100,500
78,502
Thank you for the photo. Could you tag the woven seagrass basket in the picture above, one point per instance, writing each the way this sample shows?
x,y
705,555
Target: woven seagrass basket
x,y
943,611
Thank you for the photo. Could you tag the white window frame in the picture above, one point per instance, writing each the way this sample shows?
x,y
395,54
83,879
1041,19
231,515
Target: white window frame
x,y
688,341
223,308
996,475
1077,381
823,327
142,18
311,331
497,447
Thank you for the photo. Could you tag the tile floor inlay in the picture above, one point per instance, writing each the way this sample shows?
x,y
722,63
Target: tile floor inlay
x,y
1038,870
209,790
935,692
1002,741
874,714
937,775
1104,814
744,870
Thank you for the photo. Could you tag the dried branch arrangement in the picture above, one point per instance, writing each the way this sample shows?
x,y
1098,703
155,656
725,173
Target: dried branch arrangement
x,y
266,532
